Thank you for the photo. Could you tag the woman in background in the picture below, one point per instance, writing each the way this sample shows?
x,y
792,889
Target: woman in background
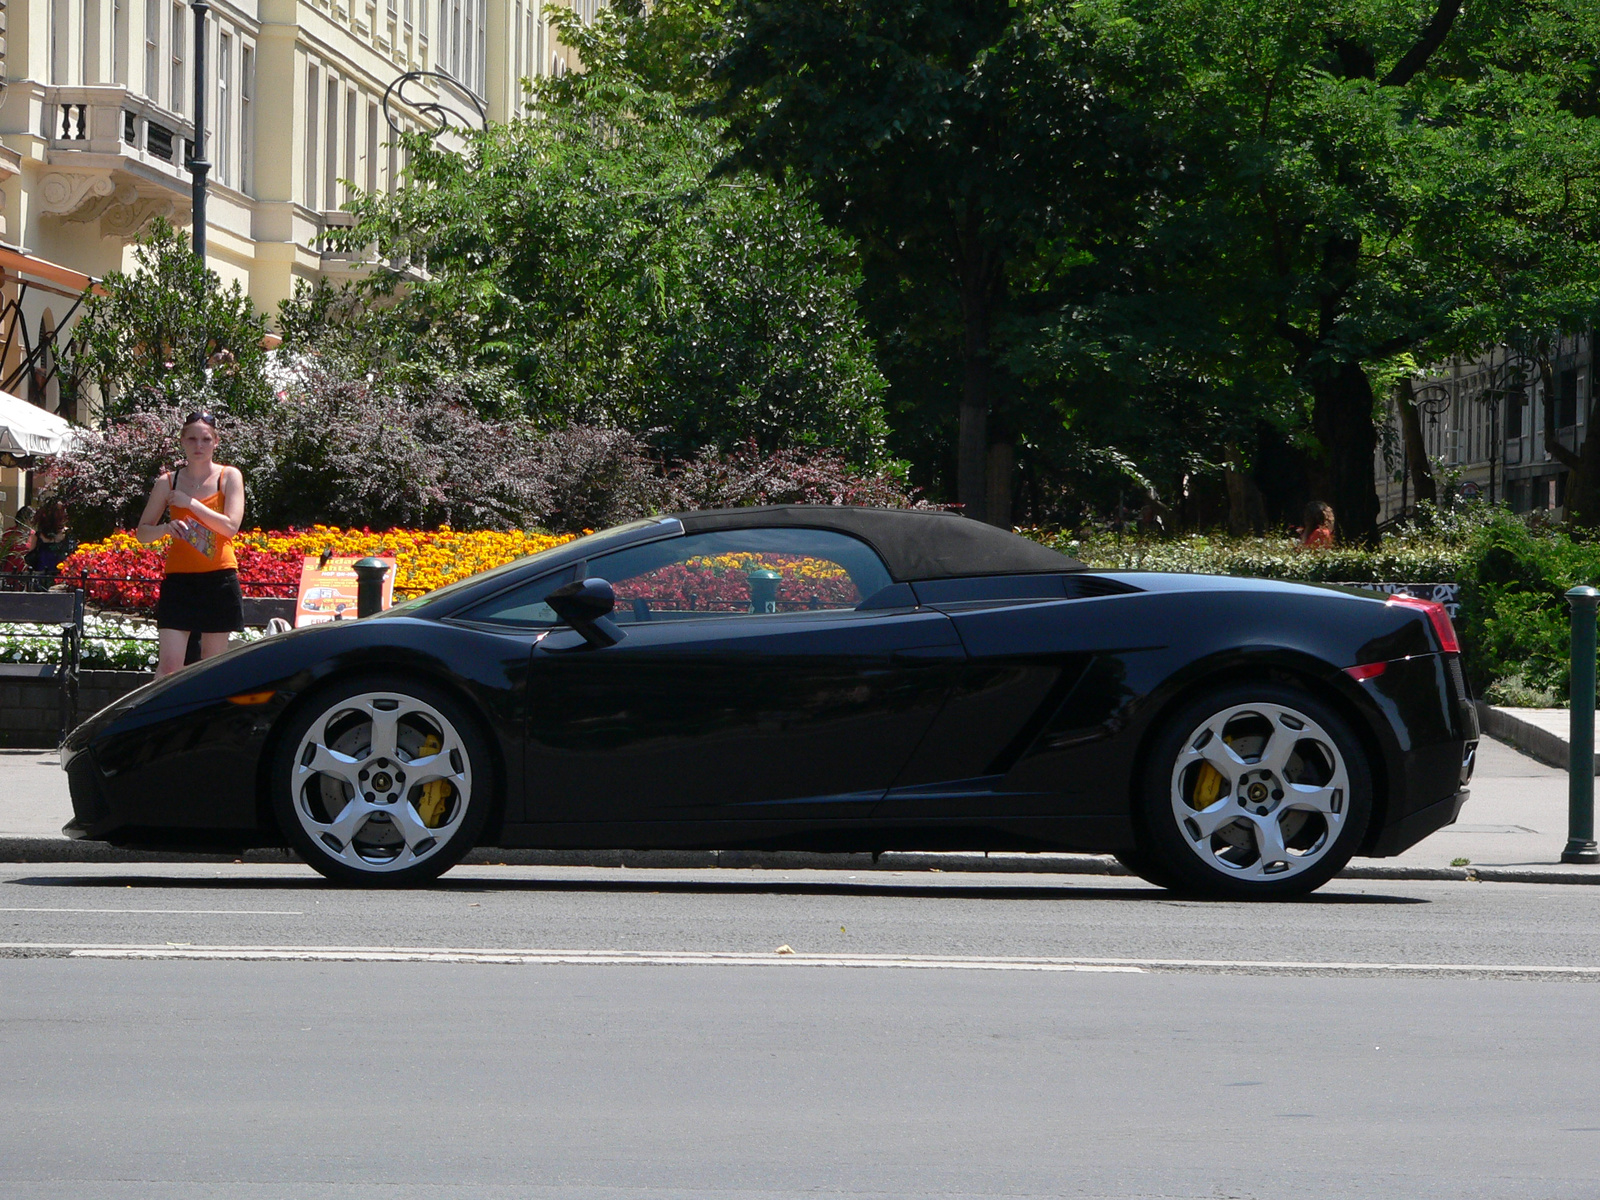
x,y
15,544
1319,525
53,542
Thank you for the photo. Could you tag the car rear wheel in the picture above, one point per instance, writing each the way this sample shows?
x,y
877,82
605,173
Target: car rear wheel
x,y
1258,791
382,781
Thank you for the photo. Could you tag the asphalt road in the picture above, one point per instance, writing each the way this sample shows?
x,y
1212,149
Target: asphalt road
x,y
1405,1040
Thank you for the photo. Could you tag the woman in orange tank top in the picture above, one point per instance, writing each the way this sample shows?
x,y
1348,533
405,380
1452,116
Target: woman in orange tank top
x,y
203,502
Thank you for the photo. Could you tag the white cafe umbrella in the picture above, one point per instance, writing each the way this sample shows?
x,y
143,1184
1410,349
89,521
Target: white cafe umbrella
x,y
26,429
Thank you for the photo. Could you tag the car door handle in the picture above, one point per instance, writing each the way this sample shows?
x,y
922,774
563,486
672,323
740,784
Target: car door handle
x,y
927,656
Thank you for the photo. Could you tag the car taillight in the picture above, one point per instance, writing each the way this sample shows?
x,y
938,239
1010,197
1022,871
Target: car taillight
x,y
1440,618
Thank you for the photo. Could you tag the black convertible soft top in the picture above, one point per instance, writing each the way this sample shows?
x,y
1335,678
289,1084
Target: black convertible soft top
x,y
913,543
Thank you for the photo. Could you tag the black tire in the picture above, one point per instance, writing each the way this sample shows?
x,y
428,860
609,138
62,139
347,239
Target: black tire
x,y
399,813
1285,812
1138,863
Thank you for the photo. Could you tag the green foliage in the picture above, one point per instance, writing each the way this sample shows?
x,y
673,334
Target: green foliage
x,y
1512,691
585,264
1360,179
969,149
1396,560
169,333
1179,230
1516,621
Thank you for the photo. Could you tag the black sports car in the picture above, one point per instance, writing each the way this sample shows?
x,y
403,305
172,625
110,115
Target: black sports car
x,y
810,677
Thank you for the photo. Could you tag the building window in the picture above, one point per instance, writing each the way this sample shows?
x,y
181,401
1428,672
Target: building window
x,y
175,88
394,162
119,41
372,146
1567,400
350,139
481,53
313,91
224,118
330,167
58,41
247,119
458,51
152,50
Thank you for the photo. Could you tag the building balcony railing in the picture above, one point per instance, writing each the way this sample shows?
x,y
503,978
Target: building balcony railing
x,y
113,120
114,157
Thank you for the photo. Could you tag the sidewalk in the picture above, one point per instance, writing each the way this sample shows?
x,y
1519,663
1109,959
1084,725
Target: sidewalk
x,y
1540,733
1512,830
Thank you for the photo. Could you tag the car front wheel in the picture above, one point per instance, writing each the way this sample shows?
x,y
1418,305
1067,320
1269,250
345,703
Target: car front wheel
x,y
382,781
1257,791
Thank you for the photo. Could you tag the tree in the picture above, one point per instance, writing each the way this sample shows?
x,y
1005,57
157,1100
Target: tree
x,y
585,258
964,142
1373,178
169,333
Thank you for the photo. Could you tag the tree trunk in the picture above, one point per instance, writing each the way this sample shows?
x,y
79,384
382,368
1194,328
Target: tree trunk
x,y
1342,417
1423,486
1001,468
972,482
980,281
1583,507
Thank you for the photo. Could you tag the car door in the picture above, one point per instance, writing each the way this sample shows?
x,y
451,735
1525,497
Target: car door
x,y
765,675
1018,673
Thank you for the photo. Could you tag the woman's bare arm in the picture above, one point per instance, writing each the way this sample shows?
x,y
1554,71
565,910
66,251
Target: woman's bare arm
x,y
151,528
227,521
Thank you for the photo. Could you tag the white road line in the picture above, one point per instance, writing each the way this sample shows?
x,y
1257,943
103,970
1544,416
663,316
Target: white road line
x,y
593,958
492,955
196,912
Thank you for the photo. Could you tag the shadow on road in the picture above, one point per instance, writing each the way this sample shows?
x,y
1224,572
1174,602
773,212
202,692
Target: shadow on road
x,y
712,887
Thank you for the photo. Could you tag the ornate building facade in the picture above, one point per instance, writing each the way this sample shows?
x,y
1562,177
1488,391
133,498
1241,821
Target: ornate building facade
x,y
97,119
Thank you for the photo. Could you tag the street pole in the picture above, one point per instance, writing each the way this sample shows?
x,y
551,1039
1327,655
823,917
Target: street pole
x,y
1580,762
369,586
199,168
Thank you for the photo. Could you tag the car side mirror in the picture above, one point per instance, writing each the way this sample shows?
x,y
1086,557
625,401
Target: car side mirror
x,y
586,605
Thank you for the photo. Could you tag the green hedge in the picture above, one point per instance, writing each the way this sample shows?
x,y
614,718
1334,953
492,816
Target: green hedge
x,y
1398,560
1514,615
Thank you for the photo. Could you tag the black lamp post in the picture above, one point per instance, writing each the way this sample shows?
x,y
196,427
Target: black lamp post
x,y
199,168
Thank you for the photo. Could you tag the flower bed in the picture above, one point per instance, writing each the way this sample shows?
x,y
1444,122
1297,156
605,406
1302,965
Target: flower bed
x,y
126,575
109,644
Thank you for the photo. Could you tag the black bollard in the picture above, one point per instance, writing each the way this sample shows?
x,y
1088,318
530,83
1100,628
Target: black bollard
x,y
369,586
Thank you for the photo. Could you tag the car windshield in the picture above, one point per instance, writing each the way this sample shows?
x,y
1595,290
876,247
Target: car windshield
x,y
593,543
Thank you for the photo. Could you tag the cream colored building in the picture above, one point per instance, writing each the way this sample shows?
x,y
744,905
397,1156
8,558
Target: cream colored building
x,y
96,120
99,104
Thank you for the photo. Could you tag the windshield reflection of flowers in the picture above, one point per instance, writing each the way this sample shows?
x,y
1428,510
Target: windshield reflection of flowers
x,y
721,583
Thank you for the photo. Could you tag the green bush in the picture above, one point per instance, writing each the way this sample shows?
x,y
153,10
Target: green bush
x,y
1397,560
1515,620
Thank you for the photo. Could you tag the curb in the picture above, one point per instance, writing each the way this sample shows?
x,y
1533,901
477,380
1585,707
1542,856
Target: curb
x,y
1541,745
64,850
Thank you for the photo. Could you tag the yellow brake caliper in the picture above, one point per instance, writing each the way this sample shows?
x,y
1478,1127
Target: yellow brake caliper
x,y
435,798
1208,783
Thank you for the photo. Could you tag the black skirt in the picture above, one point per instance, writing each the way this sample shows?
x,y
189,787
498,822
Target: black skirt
x,y
201,602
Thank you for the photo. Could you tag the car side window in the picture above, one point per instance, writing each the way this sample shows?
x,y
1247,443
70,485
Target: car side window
x,y
740,572
524,604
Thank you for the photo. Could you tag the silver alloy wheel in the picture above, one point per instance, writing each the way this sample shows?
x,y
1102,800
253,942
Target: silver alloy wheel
x,y
381,781
1260,791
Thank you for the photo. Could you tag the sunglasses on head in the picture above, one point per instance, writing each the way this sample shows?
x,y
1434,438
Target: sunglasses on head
x,y
204,417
